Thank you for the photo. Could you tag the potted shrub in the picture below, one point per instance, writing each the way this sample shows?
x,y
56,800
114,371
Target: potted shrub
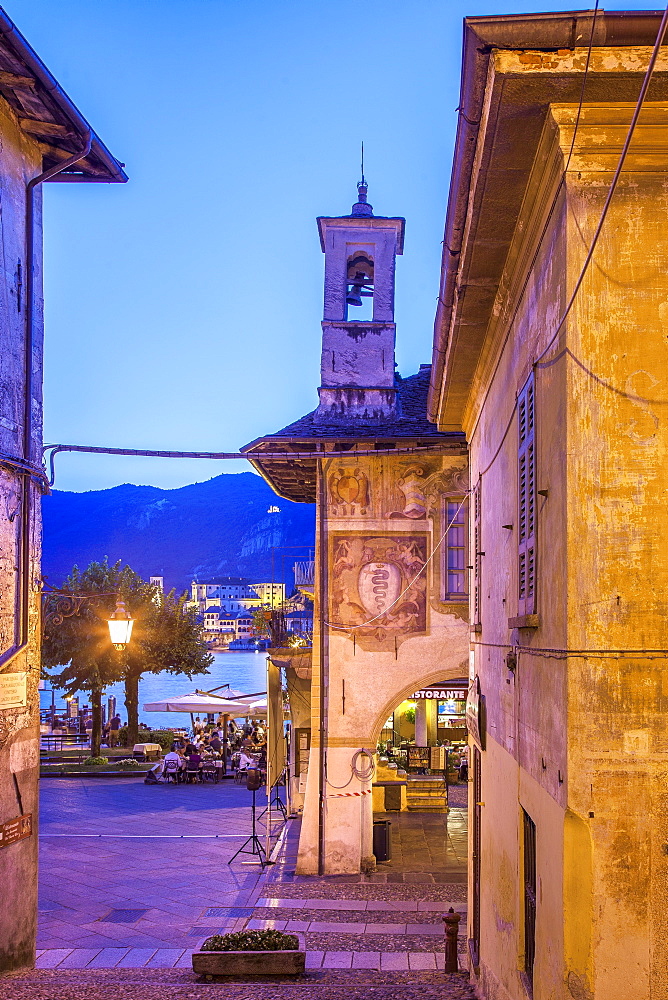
x,y
250,953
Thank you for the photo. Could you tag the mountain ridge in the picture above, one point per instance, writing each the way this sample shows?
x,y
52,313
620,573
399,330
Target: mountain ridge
x,y
220,527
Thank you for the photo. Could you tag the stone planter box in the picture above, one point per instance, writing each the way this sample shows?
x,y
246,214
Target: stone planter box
x,y
249,963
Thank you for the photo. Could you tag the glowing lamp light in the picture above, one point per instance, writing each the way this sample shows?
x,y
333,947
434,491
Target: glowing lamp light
x,y
120,625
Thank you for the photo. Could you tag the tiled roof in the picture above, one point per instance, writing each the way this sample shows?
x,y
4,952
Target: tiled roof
x,y
410,420
295,477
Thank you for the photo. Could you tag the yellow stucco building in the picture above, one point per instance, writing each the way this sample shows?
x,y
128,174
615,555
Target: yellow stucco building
x,y
556,369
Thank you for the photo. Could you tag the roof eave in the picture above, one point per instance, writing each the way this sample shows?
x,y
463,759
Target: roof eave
x,y
480,36
29,58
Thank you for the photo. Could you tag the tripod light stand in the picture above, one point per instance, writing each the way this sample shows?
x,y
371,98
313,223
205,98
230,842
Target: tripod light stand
x,y
253,782
276,800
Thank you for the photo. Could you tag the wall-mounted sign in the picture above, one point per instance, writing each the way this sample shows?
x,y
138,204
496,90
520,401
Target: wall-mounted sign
x,y
302,748
13,690
475,713
441,694
437,758
15,829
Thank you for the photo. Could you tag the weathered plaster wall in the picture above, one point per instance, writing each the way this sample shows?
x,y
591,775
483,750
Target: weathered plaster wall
x,y
618,444
525,764
577,738
378,651
19,728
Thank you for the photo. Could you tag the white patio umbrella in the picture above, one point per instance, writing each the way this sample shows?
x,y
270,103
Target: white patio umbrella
x,y
197,702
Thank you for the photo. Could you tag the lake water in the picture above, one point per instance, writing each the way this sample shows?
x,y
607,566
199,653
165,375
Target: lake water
x,y
241,670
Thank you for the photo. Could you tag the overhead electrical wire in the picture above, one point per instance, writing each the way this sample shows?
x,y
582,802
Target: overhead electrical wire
x,y
351,628
613,184
546,226
611,191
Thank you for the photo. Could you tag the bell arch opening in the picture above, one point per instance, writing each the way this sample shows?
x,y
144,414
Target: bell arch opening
x,y
359,287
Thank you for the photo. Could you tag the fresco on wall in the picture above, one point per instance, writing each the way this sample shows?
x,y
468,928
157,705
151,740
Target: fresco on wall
x,y
348,492
377,587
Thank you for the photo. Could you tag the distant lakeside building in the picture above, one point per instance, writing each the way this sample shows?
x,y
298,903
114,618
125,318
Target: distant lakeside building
x,y
235,593
226,606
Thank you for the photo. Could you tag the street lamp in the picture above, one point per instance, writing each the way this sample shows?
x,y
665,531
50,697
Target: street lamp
x,y
120,624
61,604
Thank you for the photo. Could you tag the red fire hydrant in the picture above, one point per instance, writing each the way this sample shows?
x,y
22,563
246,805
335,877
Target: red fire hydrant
x,y
451,920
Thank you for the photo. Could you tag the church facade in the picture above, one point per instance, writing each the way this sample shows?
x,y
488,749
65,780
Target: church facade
x,y
391,494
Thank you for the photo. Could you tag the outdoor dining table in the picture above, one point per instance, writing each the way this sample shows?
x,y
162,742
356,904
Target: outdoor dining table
x,y
147,751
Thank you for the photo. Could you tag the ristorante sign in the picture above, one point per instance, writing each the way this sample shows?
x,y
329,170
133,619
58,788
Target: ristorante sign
x,y
441,693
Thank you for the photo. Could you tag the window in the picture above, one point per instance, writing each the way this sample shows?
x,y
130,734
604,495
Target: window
x,y
526,517
455,551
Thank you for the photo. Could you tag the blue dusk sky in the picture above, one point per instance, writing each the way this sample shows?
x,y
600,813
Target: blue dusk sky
x,y
183,308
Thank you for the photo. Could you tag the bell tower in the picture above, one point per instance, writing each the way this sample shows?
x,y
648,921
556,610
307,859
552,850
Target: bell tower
x,y
357,368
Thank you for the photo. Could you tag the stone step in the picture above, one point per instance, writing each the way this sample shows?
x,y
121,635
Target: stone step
x,y
327,904
82,975
427,793
424,802
356,927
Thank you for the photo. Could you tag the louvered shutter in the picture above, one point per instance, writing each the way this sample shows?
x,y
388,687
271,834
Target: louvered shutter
x,y
526,517
477,558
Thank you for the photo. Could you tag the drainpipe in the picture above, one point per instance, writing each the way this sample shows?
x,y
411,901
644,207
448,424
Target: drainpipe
x,y
23,576
324,660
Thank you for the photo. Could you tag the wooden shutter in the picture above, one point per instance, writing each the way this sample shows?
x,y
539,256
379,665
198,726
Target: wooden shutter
x,y
477,555
526,518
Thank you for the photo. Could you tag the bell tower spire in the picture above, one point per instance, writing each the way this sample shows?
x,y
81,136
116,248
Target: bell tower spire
x,y
357,367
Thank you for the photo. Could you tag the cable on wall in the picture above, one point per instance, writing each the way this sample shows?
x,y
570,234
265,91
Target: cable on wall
x,y
351,628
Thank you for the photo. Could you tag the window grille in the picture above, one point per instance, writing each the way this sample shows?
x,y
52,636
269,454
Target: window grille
x,y
526,489
529,895
455,551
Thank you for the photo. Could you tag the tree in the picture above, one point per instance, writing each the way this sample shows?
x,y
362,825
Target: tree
x,y
80,643
166,637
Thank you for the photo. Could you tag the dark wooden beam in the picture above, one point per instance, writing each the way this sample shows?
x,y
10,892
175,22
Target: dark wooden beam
x,y
16,82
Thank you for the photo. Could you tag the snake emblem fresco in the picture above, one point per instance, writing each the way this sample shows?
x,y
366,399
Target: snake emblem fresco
x,y
378,589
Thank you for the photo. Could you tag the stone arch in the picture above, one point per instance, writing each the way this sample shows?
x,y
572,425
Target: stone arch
x,y
417,682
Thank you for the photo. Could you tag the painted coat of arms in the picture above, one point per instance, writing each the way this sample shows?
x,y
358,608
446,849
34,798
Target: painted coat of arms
x,y
379,584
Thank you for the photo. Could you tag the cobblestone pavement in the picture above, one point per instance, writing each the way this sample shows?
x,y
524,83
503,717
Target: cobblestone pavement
x,y
144,879
170,984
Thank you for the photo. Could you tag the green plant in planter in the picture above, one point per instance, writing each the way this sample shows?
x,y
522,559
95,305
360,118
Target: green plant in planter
x,y
94,761
252,941
162,736
127,762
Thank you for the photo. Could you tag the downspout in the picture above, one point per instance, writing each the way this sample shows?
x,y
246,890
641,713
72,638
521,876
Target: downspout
x,y
472,92
23,580
324,661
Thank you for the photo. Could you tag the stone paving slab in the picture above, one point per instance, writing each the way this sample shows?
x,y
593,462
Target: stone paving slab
x,y
136,958
50,959
366,960
108,958
165,958
338,960
79,958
